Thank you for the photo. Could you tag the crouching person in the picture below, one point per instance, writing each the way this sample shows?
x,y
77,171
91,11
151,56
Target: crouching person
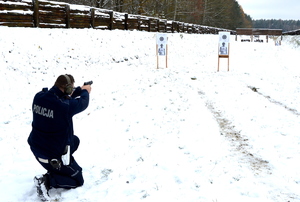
x,y
52,138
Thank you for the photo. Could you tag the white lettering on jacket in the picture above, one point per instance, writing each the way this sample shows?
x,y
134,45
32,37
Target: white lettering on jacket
x,y
43,111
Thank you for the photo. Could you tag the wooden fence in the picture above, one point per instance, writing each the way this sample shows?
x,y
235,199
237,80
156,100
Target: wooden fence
x,y
47,14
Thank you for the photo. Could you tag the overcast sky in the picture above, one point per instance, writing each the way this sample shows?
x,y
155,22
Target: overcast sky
x,y
272,9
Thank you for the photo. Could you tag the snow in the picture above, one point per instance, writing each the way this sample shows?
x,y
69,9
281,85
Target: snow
x,y
182,133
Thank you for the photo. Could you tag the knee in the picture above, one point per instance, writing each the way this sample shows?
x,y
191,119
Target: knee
x,y
75,144
80,180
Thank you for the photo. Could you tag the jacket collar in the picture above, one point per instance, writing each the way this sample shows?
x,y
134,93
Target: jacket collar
x,y
55,90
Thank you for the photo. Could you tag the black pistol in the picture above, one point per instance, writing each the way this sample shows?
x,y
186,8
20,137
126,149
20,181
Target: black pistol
x,y
88,83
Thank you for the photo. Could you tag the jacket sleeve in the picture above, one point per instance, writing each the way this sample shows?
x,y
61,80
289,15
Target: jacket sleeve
x,y
80,103
76,93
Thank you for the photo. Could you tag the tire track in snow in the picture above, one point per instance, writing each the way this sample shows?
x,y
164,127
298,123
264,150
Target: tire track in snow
x,y
294,111
237,141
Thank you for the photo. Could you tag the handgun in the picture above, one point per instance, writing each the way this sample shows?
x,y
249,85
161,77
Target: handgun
x,y
88,83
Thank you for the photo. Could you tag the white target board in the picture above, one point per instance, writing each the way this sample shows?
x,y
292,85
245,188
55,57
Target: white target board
x,y
161,42
224,39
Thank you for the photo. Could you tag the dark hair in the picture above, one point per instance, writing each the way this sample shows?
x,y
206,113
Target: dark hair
x,y
62,81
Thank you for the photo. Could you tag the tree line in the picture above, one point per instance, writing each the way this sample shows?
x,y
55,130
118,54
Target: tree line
x,y
285,25
227,14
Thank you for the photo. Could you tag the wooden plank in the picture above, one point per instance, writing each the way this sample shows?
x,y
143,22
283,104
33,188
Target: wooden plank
x,y
53,14
119,26
18,17
17,24
52,4
79,12
19,20
249,31
260,31
17,1
244,31
275,32
9,7
79,21
53,20
132,23
80,18
52,10
99,24
48,25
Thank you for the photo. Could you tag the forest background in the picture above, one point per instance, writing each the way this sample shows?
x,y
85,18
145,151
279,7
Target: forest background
x,y
226,14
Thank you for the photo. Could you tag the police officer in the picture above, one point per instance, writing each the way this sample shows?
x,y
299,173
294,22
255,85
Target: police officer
x,y
52,138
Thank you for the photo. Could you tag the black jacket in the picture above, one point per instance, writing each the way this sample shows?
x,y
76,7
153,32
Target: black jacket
x,y
52,125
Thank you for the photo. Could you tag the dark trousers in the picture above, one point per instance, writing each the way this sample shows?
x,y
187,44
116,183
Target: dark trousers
x,y
67,176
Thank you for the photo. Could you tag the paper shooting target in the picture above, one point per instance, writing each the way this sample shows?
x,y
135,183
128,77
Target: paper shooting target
x,y
161,38
224,37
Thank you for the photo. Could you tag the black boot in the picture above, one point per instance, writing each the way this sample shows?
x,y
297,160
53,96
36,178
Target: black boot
x,y
42,186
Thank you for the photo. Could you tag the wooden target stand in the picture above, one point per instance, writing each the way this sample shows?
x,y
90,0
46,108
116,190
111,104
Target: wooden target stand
x,y
223,56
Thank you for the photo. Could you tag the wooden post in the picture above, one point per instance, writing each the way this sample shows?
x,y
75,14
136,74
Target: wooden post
x,y
126,21
92,10
157,63
166,55
68,24
173,27
111,20
139,23
149,24
228,56
218,61
223,56
36,20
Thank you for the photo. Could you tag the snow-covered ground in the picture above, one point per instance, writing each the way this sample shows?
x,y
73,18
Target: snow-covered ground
x,y
183,133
